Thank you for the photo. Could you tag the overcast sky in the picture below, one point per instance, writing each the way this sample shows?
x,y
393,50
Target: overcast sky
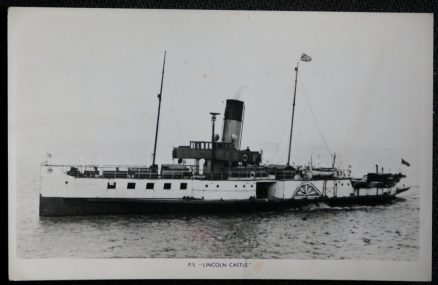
x,y
83,83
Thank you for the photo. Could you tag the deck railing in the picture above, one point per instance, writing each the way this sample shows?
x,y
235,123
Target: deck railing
x,y
185,172
145,172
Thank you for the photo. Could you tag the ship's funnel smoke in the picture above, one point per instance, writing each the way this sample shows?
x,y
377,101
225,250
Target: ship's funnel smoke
x,y
238,94
233,122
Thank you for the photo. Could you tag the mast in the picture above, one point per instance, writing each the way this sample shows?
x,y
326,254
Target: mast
x,y
293,113
159,110
334,160
213,141
304,57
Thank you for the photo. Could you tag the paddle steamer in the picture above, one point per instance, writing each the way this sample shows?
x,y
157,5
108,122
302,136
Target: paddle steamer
x,y
222,178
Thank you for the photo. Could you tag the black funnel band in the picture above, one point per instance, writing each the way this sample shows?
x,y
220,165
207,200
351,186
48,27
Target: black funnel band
x,y
234,110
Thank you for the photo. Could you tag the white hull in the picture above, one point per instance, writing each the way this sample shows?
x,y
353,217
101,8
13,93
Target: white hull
x,y
58,184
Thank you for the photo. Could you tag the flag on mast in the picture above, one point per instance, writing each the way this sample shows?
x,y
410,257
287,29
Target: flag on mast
x,y
405,162
305,57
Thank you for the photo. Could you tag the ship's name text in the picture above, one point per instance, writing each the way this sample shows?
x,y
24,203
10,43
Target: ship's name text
x,y
219,264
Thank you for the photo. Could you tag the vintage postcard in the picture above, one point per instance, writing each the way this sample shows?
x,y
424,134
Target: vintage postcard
x,y
219,144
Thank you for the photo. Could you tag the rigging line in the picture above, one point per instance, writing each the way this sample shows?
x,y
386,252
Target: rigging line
x,y
284,129
284,119
284,124
314,118
285,115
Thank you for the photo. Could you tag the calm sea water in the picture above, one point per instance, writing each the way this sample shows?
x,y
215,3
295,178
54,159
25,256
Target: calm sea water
x,y
387,232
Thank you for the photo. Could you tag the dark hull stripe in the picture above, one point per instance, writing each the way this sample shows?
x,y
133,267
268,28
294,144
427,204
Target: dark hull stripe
x,y
56,206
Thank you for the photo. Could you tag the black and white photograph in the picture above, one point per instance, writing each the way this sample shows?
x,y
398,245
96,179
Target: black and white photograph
x,y
219,144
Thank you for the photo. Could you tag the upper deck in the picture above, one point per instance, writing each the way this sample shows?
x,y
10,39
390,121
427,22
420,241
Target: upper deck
x,y
223,151
180,171
168,171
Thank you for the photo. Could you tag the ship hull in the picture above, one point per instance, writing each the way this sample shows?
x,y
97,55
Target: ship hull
x,y
59,206
64,195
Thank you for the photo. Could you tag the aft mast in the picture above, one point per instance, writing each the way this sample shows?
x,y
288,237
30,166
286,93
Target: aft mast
x,y
305,58
154,166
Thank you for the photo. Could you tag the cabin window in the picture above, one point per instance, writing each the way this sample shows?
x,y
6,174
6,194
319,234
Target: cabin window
x,y
244,186
217,186
131,185
206,185
167,186
111,185
183,186
150,186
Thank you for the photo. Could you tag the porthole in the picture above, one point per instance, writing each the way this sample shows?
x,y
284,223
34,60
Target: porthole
x,y
150,186
66,182
167,186
235,186
244,186
206,185
217,186
111,185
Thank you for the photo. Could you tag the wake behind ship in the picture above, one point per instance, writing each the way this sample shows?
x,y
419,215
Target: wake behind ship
x,y
221,178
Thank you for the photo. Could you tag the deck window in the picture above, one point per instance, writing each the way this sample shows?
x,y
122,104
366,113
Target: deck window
x,y
167,186
131,185
183,186
150,186
111,185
